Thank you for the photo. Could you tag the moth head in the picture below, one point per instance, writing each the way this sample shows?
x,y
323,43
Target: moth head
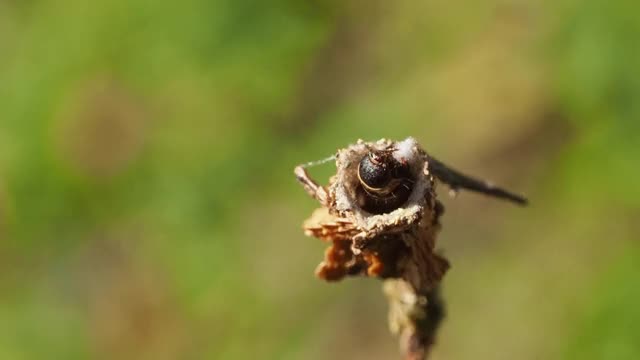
x,y
386,182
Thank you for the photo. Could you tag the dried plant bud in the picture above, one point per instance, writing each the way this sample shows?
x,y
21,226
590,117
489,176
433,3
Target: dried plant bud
x,y
381,216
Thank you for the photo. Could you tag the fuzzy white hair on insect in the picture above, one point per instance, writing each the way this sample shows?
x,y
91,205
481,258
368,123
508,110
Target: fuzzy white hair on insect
x,y
406,150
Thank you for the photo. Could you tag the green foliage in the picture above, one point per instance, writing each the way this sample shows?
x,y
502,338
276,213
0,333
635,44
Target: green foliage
x,y
609,320
148,208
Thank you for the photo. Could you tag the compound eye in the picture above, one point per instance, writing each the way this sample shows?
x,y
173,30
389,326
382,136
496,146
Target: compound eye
x,y
375,171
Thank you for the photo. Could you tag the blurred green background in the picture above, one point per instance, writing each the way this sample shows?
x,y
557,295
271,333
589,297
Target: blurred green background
x,y
148,208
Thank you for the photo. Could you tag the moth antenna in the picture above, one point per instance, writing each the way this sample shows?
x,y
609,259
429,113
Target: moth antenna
x,y
318,162
457,180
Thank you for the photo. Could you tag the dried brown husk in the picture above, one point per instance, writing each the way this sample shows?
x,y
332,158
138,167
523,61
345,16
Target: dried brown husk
x,y
398,246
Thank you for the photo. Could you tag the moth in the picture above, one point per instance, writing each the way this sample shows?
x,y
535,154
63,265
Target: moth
x,y
380,215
